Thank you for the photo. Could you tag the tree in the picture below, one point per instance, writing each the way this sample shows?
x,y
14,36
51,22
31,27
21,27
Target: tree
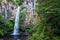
x,y
49,13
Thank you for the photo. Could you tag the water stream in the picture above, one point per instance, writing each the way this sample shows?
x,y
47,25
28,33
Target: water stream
x,y
16,25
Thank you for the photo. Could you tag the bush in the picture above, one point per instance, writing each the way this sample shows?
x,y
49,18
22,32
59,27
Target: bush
x,y
21,17
49,13
17,2
5,25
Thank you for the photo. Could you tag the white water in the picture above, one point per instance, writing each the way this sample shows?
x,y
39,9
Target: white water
x,y
16,25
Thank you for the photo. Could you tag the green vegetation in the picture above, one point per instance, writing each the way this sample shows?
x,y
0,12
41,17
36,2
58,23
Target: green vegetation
x,y
49,25
5,25
22,16
17,2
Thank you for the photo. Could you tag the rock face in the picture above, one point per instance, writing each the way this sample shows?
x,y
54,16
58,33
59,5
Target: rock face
x,y
10,7
31,16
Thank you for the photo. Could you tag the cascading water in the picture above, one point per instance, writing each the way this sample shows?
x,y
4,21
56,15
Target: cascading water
x,y
16,25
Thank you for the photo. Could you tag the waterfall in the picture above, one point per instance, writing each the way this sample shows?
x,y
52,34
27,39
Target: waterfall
x,y
16,25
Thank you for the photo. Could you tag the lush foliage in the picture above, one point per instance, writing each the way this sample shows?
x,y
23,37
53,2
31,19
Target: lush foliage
x,y
49,25
5,25
17,2
22,16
